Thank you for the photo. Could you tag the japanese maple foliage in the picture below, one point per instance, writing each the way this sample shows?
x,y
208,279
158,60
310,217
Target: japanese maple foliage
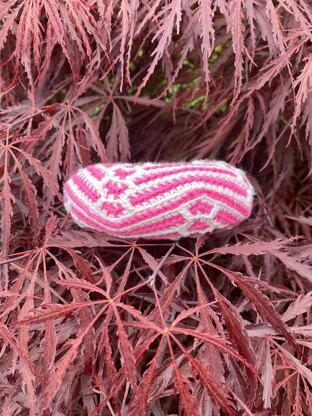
x,y
93,325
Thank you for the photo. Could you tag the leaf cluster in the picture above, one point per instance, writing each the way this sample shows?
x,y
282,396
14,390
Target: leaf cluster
x,y
92,325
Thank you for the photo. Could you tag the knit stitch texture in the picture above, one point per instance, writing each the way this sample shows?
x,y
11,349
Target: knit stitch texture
x,y
158,200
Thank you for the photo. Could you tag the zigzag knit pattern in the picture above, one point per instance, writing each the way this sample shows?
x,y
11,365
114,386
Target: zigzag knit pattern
x,y
158,200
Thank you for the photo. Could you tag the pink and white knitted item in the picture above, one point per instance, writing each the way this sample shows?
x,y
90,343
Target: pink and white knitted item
x,y
158,200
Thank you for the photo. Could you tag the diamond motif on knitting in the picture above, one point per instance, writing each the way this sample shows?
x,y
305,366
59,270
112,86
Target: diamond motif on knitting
x,y
159,200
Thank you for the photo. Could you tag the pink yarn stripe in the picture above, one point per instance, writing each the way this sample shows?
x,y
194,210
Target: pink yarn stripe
x,y
171,236
96,172
166,223
86,219
200,207
173,184
198,225
226,218
85,208
162,166
123,173
110,208
167,172
116,189
86,189
177,165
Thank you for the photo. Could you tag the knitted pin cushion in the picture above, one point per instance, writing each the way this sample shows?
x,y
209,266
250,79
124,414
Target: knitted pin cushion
x,y
158,200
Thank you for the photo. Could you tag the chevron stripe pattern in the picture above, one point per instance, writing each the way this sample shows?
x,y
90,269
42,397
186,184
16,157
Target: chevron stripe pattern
x,y
158,200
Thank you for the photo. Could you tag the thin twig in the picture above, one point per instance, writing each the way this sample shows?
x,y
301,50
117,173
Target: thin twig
x,y
156,271
2,262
